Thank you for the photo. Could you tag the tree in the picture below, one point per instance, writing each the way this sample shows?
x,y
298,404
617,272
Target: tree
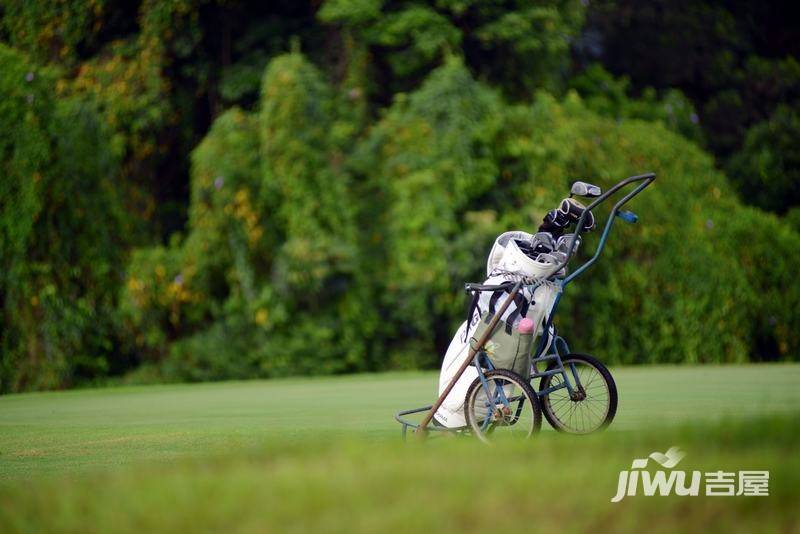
x,y
61,222
767,170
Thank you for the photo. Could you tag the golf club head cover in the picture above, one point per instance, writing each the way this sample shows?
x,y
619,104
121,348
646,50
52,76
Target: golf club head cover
x,y
572,209
554,223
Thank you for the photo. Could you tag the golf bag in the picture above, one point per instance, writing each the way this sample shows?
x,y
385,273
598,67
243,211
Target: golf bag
x,y
507,348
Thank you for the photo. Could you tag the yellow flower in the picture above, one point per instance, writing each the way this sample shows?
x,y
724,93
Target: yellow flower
x,y
261,317
133,284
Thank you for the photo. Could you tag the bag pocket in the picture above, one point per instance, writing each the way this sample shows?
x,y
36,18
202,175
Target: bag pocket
x,y
506,348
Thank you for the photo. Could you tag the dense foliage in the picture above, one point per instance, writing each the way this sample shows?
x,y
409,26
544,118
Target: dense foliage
x,y
341,195
737,62
63,234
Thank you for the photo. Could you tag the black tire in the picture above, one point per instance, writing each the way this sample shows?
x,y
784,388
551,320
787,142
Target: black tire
x,y
604,408
522,394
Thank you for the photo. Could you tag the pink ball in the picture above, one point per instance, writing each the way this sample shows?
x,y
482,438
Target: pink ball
x,y
526,326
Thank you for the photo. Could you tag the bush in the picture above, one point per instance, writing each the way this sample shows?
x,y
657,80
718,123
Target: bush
x,y
427,160
683,277
519,46
610,97
61,223
332,220
292,281
767,169
271,257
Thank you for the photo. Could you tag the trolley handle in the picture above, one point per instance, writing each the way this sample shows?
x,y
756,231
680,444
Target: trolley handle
x,y
644,179
469,287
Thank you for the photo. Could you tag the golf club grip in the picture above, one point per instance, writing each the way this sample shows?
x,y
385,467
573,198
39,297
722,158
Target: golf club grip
x,y
647,177
467,361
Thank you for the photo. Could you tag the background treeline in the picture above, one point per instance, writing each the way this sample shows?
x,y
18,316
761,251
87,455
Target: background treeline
x,y
195,190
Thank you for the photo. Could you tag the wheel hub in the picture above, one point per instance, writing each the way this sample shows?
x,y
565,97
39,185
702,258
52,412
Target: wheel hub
x,y
577,396
501,413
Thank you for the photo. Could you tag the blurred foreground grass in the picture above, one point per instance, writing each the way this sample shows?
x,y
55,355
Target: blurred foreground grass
x,y
324,455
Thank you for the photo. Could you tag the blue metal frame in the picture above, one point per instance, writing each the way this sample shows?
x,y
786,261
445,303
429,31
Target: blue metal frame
x,y
615,212
549,333
550,338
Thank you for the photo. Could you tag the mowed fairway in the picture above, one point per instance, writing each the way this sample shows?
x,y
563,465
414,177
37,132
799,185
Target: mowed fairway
x,y
324,454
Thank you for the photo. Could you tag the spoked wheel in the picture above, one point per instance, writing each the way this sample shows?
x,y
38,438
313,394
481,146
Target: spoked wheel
x,y
510,410
593,403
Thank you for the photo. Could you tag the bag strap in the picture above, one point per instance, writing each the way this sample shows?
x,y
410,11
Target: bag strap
x,y
493,303
521,309
473,306
476,290
505,287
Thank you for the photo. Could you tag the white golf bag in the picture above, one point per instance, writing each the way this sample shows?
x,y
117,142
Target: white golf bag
x,y
506,262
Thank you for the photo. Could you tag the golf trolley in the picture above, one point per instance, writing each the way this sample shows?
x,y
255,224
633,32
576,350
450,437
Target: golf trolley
x,y
576,392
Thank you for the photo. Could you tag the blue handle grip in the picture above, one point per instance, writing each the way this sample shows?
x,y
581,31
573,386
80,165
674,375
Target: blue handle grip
x,y
628,216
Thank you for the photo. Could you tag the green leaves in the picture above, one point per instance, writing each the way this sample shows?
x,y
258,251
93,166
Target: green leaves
x,y
271,246
62,233
767,169
362,271
430,157
519,46
419,34
334,214
350,12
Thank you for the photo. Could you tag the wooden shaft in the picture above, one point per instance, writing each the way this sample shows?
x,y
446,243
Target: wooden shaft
x,y
484,338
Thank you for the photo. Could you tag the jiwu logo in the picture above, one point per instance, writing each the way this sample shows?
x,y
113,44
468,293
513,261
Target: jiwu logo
x,y
659,482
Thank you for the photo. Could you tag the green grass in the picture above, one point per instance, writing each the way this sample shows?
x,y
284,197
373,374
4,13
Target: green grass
x,y
324,455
